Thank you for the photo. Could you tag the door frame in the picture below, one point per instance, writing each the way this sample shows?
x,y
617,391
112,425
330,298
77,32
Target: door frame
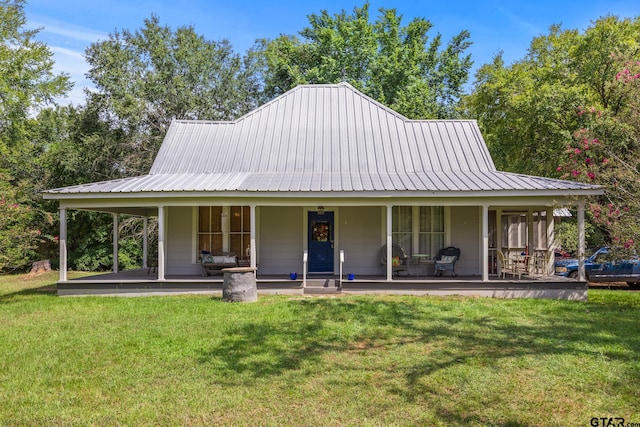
x,y
305,236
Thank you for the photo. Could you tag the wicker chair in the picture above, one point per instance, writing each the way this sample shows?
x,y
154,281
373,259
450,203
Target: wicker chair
x,y
399,261
446,261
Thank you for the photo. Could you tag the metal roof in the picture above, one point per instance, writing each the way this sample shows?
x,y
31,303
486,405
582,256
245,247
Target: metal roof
x,y
323,138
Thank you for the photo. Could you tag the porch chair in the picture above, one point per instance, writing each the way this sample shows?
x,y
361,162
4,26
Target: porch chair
x,y
446,260
399,258
505,265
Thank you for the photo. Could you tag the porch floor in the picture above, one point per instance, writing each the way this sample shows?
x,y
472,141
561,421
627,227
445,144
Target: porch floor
x,y
141,282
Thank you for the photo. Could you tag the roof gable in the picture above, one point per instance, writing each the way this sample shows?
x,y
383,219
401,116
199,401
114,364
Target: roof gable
x,y
323,128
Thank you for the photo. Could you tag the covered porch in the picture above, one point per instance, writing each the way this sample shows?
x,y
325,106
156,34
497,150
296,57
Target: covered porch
x,y
335,237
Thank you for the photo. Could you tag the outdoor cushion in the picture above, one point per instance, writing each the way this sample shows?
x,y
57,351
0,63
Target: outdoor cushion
x,y
447,259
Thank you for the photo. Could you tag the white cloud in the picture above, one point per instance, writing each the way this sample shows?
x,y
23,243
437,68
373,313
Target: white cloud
x,y
69,31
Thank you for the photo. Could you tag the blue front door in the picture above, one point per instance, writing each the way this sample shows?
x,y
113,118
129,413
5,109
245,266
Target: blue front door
x,y
321,242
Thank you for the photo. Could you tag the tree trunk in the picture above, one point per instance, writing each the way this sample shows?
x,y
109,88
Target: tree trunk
x,y
42,266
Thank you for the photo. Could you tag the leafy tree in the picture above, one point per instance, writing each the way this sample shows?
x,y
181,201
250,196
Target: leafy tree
x,y
527,110
27,83
394,64
147,78
606,150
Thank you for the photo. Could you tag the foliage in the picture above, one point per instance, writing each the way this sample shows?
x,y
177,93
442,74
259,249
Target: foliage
x,y
147,78
606,150
527,110
566,236
397,65
27,83
19,222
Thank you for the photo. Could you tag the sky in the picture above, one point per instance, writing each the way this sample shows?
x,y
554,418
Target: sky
x,y
68,27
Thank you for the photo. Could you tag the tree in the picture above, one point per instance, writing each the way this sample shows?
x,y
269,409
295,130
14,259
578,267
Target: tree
x,y
605,150
397,65
147,78
27,83
527,110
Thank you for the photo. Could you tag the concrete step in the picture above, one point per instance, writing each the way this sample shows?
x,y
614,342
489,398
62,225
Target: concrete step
x,y
321,283
330,290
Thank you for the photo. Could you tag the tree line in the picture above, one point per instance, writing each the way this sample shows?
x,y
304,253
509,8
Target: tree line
x,y
535,113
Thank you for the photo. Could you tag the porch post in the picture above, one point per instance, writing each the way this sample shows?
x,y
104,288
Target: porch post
x,y
145,242
551,241
499,230
485,243
62,241
530,239
389,243
116,225
581,239
252,235
161,243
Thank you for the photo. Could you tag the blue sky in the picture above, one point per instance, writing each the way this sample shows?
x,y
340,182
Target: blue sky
x,y
69,26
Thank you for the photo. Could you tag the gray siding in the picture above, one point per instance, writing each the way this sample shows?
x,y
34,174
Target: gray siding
x,y
465,221
360,237
280,242
179,241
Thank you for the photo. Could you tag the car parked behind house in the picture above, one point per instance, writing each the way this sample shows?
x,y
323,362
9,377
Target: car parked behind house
x,y
599,267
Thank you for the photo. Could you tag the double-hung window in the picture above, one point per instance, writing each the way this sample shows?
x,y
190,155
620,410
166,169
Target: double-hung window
x,y
224,229
418,229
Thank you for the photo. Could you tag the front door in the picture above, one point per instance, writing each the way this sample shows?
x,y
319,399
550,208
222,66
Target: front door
x,y
321,242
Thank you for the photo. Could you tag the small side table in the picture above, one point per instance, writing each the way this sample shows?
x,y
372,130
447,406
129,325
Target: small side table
x,y
421,260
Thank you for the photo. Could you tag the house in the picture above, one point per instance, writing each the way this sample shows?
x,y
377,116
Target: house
x,y
324,169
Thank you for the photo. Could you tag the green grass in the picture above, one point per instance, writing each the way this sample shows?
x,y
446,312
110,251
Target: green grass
x,y
379,360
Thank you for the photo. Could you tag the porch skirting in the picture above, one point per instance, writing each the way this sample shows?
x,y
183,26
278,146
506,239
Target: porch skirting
x,y
136,284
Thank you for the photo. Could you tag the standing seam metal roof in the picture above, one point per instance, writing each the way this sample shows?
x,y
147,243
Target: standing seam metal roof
x,y
324,138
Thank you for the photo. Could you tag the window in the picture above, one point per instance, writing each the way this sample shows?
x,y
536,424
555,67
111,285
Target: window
x,y
418,229
515,234
224,229
210,229
240,230
431,232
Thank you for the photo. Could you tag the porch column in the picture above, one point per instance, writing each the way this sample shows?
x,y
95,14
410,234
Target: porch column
x,y
551,241
116,236
530,249
499,230
389,242
252,235
145,242
62,241
161,268
485,243
581,239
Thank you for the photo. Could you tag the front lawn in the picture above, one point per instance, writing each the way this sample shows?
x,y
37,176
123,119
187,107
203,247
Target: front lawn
x,y
348,360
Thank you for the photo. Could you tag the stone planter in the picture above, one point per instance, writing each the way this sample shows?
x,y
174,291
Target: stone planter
x,y
239,284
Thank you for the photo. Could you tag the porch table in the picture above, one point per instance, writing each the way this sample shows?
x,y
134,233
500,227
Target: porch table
x,y
420,260
522,265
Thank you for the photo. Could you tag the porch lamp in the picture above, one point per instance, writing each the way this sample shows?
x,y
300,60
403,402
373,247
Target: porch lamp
x,y
320,210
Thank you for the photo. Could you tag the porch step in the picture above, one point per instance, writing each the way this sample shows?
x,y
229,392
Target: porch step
x,y
331,290
321,287
321,283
